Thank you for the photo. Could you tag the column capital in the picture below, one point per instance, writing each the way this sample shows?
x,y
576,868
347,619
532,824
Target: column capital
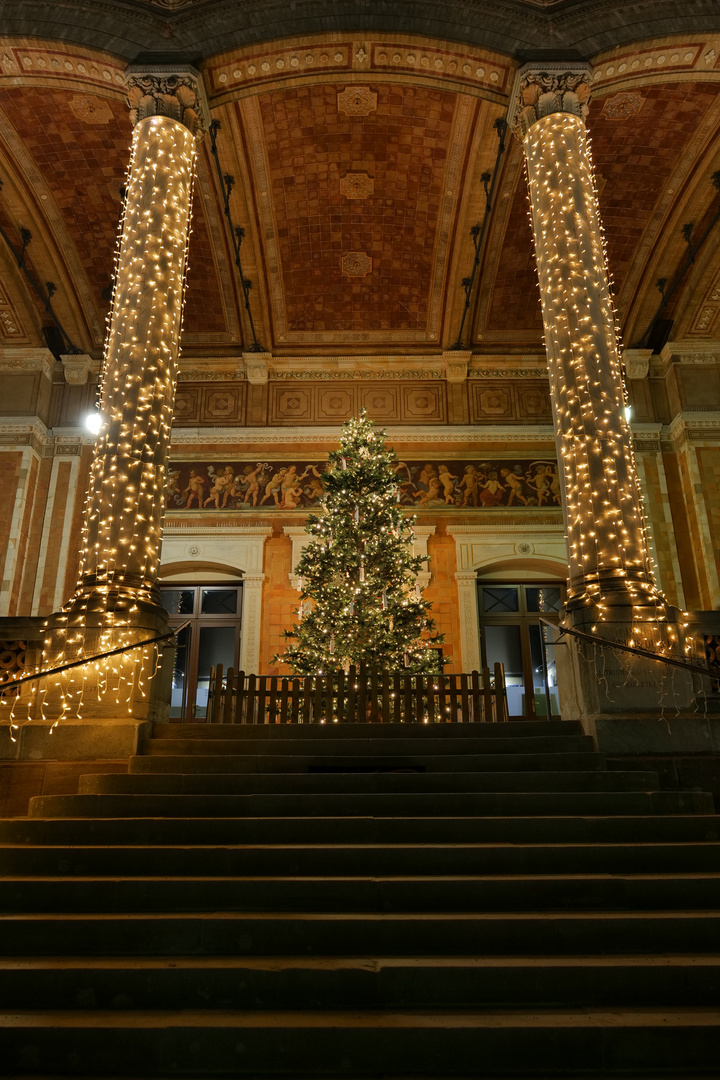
x,y
544,88
173,90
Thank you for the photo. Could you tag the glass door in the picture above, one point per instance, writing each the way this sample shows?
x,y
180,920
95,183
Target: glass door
x,y
510,633
212,638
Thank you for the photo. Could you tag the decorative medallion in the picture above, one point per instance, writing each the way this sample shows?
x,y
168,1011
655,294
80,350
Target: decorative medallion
x,y
357,101
357,185
356,264
623,106
91,110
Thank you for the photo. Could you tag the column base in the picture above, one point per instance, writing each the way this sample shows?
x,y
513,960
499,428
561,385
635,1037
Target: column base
x,y
596,681
131,686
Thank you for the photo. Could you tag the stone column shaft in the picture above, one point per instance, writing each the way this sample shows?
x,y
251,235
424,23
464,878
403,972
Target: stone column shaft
x,y
122,526
125,498
610,574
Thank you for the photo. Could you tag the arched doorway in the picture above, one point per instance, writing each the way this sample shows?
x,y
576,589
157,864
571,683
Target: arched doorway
x,y
509,611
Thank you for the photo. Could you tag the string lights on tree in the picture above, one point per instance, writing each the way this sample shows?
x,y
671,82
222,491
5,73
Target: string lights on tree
x,y
360,602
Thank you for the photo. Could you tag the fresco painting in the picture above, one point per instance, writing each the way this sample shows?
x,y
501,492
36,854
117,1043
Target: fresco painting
x,y
436,485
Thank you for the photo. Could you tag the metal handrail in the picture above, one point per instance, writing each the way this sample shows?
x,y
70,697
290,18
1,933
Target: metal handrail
x,y
92,659
645,653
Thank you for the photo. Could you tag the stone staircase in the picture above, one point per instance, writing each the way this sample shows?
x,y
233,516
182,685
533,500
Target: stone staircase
x,y
362,901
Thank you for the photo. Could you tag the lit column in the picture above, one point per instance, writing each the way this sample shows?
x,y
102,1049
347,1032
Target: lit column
x,y
610,578
125,501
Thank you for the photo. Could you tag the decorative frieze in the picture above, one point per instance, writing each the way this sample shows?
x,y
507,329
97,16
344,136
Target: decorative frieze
x,y
295,485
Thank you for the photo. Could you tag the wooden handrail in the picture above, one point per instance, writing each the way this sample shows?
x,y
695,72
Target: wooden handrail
x,y
359,696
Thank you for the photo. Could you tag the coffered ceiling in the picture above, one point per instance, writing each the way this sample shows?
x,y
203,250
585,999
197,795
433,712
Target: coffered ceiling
x,y
357,161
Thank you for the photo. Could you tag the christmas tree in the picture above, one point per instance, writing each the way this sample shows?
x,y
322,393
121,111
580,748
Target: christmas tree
x,y
359,600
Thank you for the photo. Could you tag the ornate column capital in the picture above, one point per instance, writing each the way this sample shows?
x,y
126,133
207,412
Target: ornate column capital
x,y
541,89
172,90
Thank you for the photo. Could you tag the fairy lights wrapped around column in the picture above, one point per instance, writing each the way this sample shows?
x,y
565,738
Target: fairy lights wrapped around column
x,y
610,573
122,525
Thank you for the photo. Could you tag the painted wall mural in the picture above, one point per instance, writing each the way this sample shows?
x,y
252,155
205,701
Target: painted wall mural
x,y
289,485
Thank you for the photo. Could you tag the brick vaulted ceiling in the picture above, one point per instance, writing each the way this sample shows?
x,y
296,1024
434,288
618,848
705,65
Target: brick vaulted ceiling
x,y
357,164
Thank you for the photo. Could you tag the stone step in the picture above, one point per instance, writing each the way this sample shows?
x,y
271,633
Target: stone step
x,y
369,746
364,830
171,934
536,893
390,983
354,805
333,732
355,783
427,1043
271,763
432,860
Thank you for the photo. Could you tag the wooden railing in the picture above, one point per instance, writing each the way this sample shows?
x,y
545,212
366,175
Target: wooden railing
x,y
357,697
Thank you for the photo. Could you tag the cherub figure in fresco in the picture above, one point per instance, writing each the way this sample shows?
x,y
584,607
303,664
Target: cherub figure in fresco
x,y
404,487
172,491
448,484
194,489
514,484
224,481
427,474
433,492
271,488
314,489
554,484
291,497
470,483
290,480
491,491
250,481
541,483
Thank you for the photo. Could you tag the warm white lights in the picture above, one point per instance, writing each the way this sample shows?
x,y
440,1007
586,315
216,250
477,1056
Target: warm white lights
x,y
94,422
607,542
113,605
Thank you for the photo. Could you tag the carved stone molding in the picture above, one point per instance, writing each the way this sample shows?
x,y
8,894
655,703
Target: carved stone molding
x,y
28,359
210,375
351,374
456,365
175,91
637,363
543,89
77,368
256,367
479,438
507,373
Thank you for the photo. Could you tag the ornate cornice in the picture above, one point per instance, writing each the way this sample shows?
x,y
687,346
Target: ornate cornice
x,y
375,374
480,436
175,91
543,89
27,359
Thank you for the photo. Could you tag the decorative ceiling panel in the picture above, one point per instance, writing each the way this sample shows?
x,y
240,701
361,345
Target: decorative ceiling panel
x,y
634,157
79,143
368,263
204,312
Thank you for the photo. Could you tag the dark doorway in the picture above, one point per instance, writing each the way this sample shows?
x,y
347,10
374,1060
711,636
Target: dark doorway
x,y
212,638
511,633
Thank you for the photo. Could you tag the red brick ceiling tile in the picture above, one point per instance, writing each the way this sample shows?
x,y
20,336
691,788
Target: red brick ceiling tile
x,y
403,147
83,163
